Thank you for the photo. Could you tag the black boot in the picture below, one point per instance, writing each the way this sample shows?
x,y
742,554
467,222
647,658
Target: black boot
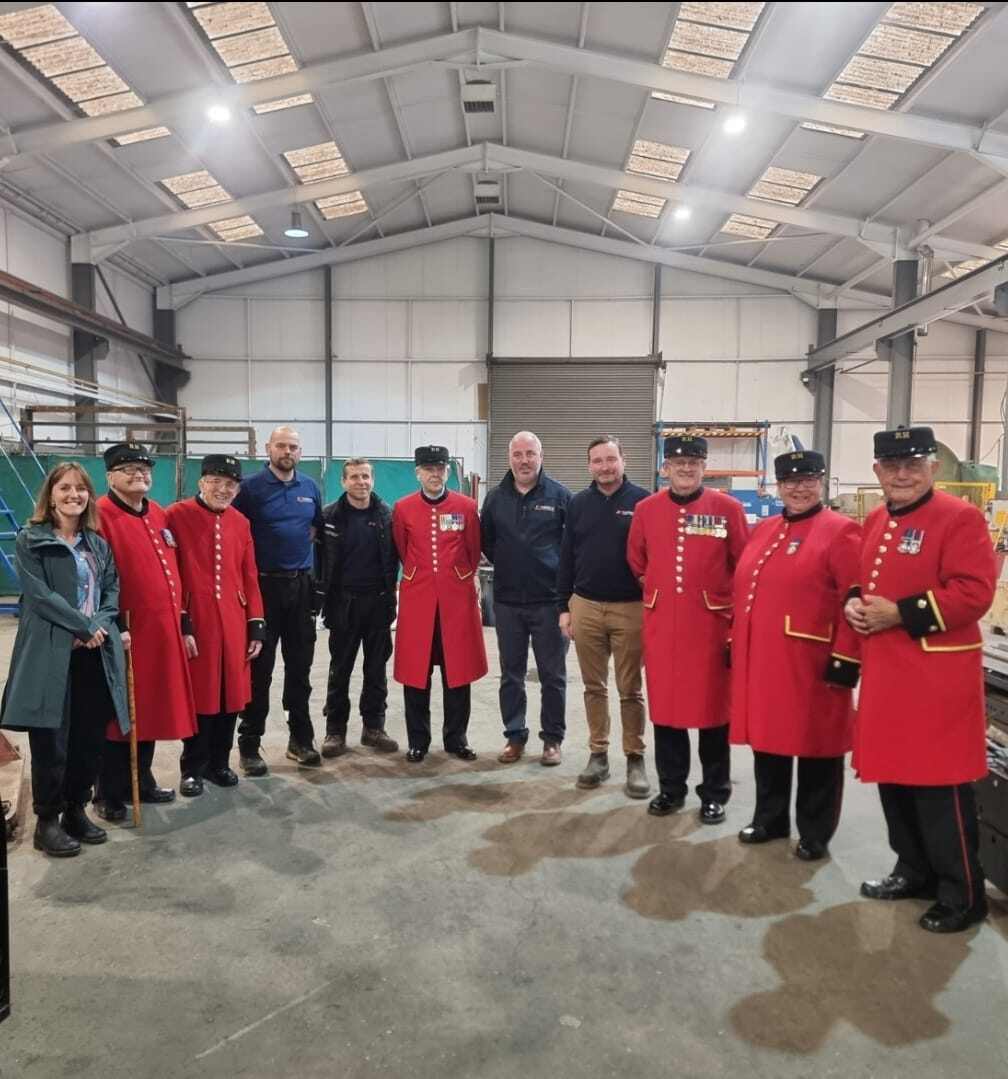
x,y
77,825
51,838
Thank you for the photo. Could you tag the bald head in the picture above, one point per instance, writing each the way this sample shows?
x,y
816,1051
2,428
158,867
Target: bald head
x,y
284,451
525,457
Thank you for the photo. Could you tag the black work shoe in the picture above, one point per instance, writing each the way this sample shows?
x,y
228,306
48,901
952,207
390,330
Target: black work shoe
x,y
334,745
757,833
221,777
114,812
415,756
306,756
944,919
51,838
810,850
191,787
663,805
376,738
464,753
76,824
157,795
596,770
711,813
896,887
252,764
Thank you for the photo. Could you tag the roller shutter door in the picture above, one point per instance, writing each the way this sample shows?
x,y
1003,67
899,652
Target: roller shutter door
x,y
567,404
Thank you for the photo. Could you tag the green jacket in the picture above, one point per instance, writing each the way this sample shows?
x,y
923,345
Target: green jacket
x,y
36,694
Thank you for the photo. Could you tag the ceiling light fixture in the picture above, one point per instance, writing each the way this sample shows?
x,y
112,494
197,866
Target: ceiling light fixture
x,y
218,114
735,124
296,231
682,213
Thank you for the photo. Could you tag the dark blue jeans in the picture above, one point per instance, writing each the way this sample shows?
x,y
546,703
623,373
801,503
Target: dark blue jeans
x,y
516,626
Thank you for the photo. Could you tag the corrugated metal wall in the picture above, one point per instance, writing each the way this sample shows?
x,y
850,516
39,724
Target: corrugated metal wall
x,y
567,404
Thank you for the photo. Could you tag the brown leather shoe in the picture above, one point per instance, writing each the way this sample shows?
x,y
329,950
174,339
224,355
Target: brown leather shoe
x,y
551,754
512,752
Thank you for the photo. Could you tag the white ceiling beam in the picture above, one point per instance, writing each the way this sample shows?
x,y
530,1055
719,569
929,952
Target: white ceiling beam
x,y
748,95
182,292
397,172
804,289
340,72
995,191
935,305
489,45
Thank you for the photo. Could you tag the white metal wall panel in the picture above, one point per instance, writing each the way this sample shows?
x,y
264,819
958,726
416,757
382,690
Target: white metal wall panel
x,y
566,405
215,328
370,329
286,329
611,328
370,391
700,329
444,329
532,328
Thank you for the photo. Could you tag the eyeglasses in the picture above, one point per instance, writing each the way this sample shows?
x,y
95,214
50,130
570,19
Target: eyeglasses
x,y
801,481
134,470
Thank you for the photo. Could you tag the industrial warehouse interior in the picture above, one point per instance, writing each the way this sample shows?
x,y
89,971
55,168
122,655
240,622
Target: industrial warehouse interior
x,y
409,229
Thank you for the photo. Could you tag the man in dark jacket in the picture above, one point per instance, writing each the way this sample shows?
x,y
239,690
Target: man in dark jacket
x,y
359,567
601,610
522,527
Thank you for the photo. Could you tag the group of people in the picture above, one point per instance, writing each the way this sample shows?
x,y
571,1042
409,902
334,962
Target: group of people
x,y
754,637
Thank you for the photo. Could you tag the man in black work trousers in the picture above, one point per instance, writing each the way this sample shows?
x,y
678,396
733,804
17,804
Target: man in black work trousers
x,y
284,508
359,566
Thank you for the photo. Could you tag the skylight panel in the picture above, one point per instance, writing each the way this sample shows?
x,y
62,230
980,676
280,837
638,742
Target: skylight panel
x,y
319,162
708,39
347,205
786,186
679,99
958,269
236,228
630,202
70,64
194,189
657,159
829,129
907,41
251,46
755,228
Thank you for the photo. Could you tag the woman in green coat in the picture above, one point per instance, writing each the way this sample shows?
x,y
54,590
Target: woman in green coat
x,y
67,673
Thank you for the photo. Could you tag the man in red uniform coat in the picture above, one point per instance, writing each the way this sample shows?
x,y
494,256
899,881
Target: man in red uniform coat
x,y
151,594
223,617
790,589
684,544
928,574
437,535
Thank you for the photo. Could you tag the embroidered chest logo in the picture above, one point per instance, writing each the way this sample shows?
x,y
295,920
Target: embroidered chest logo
x,y
705,524
451,522
911,541
544,509
304,498
624,513
792,547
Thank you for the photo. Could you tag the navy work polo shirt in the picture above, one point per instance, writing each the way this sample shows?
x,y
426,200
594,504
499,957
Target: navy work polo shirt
x,y
281,515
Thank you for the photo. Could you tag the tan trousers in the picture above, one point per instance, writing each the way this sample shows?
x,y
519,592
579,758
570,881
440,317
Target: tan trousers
x,y
601,630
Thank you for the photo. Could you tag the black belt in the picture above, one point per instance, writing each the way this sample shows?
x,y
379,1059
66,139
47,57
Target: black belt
x,y
284,574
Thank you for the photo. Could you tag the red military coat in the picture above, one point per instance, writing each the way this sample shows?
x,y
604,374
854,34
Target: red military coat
x,y
788,634
150,590
921,718
686,550
220,590
439,547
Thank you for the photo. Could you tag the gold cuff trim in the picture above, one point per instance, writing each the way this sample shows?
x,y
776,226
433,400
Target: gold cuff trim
x,y
936,609
462,576
409,576
849,659
789,632
948,647
715,606
654,600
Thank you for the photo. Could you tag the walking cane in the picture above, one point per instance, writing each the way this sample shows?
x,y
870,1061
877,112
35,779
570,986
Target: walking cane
x,y
134,759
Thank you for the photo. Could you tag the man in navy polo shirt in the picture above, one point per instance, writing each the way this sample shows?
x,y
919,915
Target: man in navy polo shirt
x,y
284,509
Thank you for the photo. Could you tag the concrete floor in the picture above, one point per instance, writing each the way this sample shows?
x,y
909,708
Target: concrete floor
x,y
373,918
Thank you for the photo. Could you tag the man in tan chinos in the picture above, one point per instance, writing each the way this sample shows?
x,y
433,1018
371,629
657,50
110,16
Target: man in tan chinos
x,y
601,611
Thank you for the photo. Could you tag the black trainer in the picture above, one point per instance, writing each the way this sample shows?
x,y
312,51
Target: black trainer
x,y
306,756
